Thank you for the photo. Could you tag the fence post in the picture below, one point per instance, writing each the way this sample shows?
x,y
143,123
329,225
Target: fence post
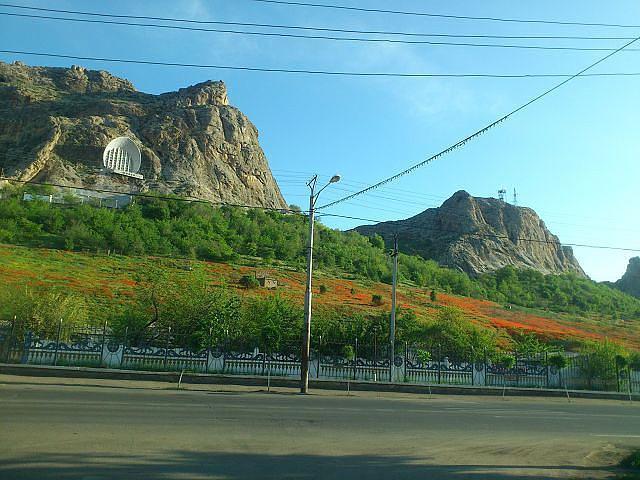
x,y
546,366
209,340
406,354
124,345
10,340
439,363
486,372
473,366
617,376
355,361
515,367
166,347
25,348
55,355
225,348
375,359
104,334
319,355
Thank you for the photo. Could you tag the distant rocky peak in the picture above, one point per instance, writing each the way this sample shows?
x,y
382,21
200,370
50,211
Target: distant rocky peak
x,y
460,212
479,235
630,281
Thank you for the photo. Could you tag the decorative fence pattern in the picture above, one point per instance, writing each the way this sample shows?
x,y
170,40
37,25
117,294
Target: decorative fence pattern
x,y
100,349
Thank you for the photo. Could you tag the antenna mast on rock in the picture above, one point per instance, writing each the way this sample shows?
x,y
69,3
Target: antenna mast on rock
x,y
515,197
502,194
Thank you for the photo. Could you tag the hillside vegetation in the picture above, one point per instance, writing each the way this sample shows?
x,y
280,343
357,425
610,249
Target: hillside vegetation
x,y
198,231
41,286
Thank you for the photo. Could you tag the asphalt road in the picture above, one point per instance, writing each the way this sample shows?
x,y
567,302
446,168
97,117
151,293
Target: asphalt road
x,y
63,429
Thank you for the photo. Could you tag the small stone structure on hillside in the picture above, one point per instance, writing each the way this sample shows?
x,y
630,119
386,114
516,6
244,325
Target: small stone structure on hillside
x,y
266,281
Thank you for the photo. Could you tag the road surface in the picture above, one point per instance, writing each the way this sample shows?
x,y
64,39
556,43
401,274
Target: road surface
x,y
94,430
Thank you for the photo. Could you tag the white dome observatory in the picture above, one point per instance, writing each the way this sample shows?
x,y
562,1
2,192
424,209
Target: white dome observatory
x,y
122,156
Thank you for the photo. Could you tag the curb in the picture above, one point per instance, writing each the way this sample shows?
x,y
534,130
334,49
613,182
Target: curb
x,y
257,381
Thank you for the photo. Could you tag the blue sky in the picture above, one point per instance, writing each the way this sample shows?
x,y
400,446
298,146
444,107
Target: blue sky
x,y
573,156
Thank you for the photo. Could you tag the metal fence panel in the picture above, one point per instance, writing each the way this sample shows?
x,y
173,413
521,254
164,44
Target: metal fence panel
x,y
165,351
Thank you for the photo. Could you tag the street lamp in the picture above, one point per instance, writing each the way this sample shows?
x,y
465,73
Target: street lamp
x,y
306,331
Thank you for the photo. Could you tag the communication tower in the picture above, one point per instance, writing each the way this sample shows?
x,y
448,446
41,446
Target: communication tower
x,y
502,193
515,197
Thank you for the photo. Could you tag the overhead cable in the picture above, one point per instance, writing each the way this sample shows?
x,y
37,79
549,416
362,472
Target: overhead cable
x,y
317,72
441,15
316,37
313,28
476,134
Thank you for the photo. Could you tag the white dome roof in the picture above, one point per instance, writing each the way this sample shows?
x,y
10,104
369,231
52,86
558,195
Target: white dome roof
x,y
121,154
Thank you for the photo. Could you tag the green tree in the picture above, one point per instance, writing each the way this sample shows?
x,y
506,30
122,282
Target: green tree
x,y
40,310
453,335
598,362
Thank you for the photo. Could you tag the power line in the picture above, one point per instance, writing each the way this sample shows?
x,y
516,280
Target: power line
x,y
441,15
317,29
380,206
479,132
487,235
316,37
144,195
356,184
318,72
426,203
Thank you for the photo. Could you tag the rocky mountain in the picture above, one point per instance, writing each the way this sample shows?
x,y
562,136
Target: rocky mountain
x,y
56,122
479,235
630,281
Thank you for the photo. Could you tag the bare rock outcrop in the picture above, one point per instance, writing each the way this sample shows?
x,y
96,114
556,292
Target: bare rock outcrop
x,y
55,123
479,235
630,281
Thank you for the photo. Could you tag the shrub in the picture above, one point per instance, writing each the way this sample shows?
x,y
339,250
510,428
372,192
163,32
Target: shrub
x,y
632,460
40,310
377,300
453,335
323,289
432,296
423,356
349,352
506,361
634,361
621,361
600,361
557,360
353,291
249,281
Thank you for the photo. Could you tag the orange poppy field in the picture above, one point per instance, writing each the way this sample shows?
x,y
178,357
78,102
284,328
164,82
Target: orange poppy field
x,y
108,282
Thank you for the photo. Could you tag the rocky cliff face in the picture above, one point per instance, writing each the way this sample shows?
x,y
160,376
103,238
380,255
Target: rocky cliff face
x,y
479,235
630,281
55,123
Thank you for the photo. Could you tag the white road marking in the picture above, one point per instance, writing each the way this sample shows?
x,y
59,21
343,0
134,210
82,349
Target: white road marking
x,y
613,435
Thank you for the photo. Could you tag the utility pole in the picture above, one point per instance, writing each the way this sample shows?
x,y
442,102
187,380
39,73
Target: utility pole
x,y
306,330
392,327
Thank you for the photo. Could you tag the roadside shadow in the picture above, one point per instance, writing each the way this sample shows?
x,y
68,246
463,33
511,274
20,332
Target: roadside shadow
x,y
240,466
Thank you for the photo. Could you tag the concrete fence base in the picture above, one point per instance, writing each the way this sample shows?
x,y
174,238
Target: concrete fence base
x,y
275,381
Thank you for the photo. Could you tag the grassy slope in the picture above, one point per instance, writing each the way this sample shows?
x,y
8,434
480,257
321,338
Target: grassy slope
x,y
107,282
